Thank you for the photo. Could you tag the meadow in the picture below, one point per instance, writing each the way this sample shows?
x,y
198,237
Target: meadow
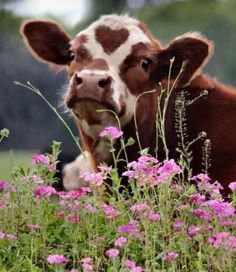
x,y
167,220
166,225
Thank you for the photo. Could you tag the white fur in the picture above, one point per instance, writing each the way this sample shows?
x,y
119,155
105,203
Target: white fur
x,y
116,58
72,172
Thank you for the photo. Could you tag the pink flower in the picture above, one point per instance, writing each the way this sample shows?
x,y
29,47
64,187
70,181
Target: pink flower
x,y
232,186
128,263
231,243
193,230
136,269
139,207
112,253
1,204
74,270
95,179
226,223
111,132
73,218
11,236
222,209
61,214
46,191
57,259
90,208
110,212
104,169
33,226
129,228
171,256
120,241
87,267
217,239
183,207
170,167
2,235
202,214
2,185
178,224
37,179
154,216
6,186
86,260
197,198
40,159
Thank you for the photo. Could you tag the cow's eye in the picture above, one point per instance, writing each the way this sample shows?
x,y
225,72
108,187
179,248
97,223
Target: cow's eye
x,y
71,55
145,63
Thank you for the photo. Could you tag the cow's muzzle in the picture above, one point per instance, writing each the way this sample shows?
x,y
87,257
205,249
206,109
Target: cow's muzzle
x,y
93,87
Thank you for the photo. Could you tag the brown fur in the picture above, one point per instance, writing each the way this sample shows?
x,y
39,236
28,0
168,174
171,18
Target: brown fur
x,y
104,36
215,113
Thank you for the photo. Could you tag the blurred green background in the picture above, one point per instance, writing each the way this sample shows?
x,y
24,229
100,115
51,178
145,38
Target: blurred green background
x,y
31,123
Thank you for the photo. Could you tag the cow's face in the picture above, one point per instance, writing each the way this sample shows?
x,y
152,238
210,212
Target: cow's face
x,y
111,62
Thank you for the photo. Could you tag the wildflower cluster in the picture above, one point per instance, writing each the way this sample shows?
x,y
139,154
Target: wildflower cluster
x,y
167,223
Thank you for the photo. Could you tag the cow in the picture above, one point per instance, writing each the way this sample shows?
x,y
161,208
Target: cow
x,y
116,64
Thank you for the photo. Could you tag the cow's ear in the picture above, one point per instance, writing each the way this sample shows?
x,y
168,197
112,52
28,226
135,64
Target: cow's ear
x,y
190,49
47,41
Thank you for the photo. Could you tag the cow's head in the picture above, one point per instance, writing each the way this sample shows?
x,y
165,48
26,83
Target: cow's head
x,y
112,61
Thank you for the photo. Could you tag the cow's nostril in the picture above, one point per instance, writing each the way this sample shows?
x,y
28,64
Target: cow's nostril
x,y
78,80
104,83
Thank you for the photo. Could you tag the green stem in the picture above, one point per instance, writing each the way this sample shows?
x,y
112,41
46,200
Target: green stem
x,y
30,87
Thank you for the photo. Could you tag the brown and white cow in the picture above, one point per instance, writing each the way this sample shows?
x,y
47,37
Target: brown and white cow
x,y
110,64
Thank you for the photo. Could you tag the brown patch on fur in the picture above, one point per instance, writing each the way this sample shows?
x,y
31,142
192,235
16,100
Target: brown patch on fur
x,y
110,39
195,51
136,78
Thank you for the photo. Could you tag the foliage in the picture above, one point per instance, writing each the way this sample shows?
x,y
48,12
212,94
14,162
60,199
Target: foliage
x,y
167,224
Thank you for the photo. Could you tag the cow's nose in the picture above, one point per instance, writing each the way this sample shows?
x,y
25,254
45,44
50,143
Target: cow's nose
x,y
96,81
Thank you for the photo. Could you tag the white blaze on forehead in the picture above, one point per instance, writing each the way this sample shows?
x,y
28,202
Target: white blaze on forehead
x,y
117,57
114,22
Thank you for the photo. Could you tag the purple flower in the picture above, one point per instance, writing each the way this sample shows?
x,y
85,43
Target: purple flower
x,y
46,191
11,236
120,241
95,179
202,214
222,209
86,260
90,208
2,235
6,186
37,179
171,256
110,212
197,198
111,132
232,186
178,224
139,207
33,226
153,216
129,264
217,239
57,259
112,253
87,267
40,159
193,230
231,243
129,228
